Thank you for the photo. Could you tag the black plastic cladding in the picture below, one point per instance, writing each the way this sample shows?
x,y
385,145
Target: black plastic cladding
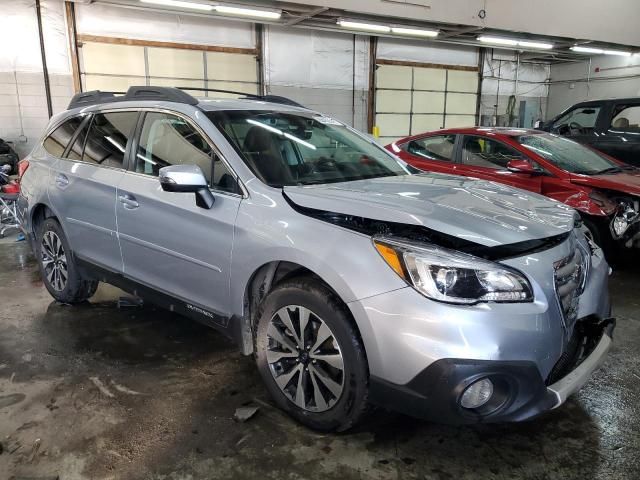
x,y
424,234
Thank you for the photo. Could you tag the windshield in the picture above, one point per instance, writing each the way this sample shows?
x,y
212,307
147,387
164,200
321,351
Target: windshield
x,y
286,148
569,155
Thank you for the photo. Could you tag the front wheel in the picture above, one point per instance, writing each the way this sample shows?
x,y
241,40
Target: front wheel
x,y
60,273
310,355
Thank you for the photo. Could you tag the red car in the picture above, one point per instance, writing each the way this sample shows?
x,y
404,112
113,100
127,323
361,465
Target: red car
x,y
605,191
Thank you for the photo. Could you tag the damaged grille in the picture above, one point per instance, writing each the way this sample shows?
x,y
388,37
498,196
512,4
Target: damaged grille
x,y
570,276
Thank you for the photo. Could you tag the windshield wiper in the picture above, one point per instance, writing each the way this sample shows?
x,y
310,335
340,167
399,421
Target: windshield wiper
x,y
608,170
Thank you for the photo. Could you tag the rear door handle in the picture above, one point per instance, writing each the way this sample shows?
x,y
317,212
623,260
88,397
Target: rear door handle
x,y
61,180
129,201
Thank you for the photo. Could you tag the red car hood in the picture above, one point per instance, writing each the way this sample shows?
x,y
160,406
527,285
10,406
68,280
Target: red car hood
x,y
627,182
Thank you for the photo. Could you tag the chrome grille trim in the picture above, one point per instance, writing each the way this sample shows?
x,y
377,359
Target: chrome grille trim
x,y
570,276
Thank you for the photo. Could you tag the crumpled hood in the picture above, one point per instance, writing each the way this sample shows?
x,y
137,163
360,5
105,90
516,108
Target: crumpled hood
x,y
478,211
627,182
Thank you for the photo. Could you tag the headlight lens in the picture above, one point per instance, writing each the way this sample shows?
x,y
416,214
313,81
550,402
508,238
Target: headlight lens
x,y
450,276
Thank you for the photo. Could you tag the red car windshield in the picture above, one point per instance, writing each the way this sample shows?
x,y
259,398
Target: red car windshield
x,y
569,155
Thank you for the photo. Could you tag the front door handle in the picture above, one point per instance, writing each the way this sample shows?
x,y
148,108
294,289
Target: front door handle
x,y
128,201
62,180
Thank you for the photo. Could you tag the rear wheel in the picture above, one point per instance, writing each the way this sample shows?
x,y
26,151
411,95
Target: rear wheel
x,y
310,355
60,273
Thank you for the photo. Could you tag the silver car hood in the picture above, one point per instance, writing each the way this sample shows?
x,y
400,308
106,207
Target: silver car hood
x,y
478,211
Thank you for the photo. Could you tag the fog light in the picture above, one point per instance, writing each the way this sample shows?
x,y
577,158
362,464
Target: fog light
x,y
477,394
620,226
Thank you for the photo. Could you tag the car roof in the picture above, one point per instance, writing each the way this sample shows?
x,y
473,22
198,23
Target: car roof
x,y
218,104
503,131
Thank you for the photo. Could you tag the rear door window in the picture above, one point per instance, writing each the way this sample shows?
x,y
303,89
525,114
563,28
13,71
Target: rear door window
x,y
626,118
57,141
75,152
109,135
433,148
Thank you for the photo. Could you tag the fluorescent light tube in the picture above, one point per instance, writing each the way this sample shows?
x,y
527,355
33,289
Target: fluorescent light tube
x,y
417,32
248,12
621,53
371,27
516,43
540,45
597,51
180,4
499,41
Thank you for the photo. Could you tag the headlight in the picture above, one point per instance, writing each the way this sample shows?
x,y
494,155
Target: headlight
x,y
450,276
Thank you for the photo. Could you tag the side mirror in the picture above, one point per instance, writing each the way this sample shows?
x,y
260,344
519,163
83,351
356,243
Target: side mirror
x,y
187,179
522,166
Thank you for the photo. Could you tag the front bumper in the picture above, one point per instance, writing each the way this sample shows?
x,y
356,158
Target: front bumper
x,y
520,392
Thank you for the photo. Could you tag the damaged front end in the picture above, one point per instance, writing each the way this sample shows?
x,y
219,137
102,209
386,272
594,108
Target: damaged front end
x,y
625,223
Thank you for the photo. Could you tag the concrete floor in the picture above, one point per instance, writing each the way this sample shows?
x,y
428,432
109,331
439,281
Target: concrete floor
x,y
96,392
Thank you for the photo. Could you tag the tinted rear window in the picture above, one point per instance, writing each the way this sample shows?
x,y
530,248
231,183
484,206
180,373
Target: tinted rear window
x,y
57,141
108,137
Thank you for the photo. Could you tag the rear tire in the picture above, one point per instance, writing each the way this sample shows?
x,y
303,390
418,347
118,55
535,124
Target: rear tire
x,y
59,270
317,372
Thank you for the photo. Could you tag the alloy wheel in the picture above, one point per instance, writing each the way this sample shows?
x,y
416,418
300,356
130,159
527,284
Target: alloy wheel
x,y
54,261
305,359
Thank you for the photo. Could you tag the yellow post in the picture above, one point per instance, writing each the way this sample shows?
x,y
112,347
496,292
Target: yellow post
x,y
376,131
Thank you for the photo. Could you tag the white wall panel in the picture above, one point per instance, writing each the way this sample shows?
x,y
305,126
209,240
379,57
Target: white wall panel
x,y
429,79
114,21
462,81
231,66
393,76
393,101
428,102
425,123
172,62
461,103
309,58
424,52
112,59
19,41
393,125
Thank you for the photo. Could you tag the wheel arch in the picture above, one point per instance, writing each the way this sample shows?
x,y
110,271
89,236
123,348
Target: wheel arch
x,y
262,281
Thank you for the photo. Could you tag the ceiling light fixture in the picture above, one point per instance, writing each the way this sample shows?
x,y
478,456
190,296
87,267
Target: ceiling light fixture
x,y
600,51
417,32
180,4
371,27
515,43
596,51
621,53
248,12
540,45
499,41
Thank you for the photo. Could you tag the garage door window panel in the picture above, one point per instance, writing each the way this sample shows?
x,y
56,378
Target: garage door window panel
x,y
488,153
439,148
108,137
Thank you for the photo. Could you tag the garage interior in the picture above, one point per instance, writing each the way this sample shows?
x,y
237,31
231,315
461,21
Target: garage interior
x,y
113,391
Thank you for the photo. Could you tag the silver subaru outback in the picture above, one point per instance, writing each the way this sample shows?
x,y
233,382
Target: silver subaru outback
x,y
352,278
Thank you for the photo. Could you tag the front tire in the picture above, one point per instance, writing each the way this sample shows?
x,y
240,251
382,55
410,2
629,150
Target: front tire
x,y
59,270
310,355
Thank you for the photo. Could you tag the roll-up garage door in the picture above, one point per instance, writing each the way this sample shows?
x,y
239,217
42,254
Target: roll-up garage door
x,y
413,99
115,67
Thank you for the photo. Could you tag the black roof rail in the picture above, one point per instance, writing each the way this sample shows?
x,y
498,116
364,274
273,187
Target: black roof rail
x,y
90,98
166,94
249,96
